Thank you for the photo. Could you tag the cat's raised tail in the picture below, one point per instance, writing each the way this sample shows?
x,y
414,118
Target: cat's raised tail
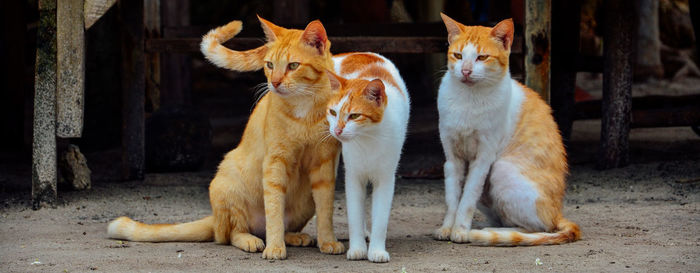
x,y
567,232
219,55
124,228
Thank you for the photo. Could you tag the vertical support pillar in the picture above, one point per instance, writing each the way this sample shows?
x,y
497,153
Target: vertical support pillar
x,y
537,45
70,95
176,74
566,19
133,88
44,141
618,51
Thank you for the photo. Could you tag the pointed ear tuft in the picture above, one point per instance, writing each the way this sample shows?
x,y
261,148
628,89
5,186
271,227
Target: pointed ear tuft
x,y
271,30
454,28
315,36
503,32
374,91
337,82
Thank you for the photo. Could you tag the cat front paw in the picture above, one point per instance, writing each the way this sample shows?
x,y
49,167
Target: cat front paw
x,y
275,253
298,239
357,253
460,235
378,255
442,234
333,247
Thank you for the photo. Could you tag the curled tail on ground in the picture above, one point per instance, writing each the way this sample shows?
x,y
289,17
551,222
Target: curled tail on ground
x,y
567,232
219,55
197,231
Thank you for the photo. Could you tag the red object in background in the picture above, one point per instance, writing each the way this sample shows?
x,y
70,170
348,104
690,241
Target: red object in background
x,y
581,95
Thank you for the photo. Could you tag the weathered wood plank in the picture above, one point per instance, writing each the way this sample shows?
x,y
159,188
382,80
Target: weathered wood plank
x,y
133,86
94,9
176,74
651,111
537,46
618,48
44,176
70,52
153,27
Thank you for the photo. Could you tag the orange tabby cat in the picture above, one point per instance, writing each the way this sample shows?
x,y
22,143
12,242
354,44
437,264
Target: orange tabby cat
x,y
504,153
283,171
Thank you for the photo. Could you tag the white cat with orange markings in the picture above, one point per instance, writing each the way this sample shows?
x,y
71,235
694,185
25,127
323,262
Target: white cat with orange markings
x,y
369,115
503,149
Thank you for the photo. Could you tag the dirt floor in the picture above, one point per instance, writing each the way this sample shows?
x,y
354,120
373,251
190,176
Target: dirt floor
x,y
644,217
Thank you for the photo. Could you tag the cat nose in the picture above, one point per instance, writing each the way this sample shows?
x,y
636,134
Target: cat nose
x,y
338,131
466,72
275,84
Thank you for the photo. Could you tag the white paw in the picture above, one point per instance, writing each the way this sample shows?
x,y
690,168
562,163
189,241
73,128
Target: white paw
x,y
358,253
378,255
442,234
459,235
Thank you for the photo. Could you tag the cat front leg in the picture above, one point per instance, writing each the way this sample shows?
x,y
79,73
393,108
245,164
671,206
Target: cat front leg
x,y
382,195
355,193
322,177
454,173
274,190
473,187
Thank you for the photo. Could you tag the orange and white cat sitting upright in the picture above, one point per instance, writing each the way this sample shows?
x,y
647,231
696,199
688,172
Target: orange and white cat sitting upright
x,y
504,154
283,171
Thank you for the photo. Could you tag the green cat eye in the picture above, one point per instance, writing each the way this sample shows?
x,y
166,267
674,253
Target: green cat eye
x,y
332,112
270,65
293,66
457,55
354,116
482,57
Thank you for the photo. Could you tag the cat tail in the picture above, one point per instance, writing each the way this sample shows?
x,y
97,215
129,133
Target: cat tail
x,y
249,60
567,232
197,231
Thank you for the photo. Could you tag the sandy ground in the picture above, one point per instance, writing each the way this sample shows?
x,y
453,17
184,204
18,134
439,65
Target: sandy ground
x,y
643,217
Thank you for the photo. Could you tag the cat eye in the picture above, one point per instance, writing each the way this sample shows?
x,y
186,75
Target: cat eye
x,y
270,65
457,55
332,112
482,57
293,66
353,116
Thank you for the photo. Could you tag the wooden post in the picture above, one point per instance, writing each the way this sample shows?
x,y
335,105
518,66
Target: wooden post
x,y
44,142
70,92
153,31
537,46
566,17
176,75
133,86
618,41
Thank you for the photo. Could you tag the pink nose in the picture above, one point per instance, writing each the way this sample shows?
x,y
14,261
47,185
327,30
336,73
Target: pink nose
x,y
338,131
275,84
466,72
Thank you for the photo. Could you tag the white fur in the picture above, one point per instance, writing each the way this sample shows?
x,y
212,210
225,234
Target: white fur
x,y
477,121
371,154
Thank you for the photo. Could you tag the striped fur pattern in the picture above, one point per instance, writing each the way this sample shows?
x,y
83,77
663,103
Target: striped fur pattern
x,y
504,154
369,115
283,170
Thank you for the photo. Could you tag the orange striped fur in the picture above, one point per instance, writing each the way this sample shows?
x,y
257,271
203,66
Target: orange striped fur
x,y
283,170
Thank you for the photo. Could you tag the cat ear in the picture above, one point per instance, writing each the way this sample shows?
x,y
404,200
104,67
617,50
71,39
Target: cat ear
x,y
315,36
271,30
336,81
503,32
374,91
454,28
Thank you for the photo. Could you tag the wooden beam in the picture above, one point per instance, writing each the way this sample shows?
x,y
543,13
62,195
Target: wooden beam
x,y
618,42
94,9
651,111
70,51
133,89
537,46
44,141
152,23
176,74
